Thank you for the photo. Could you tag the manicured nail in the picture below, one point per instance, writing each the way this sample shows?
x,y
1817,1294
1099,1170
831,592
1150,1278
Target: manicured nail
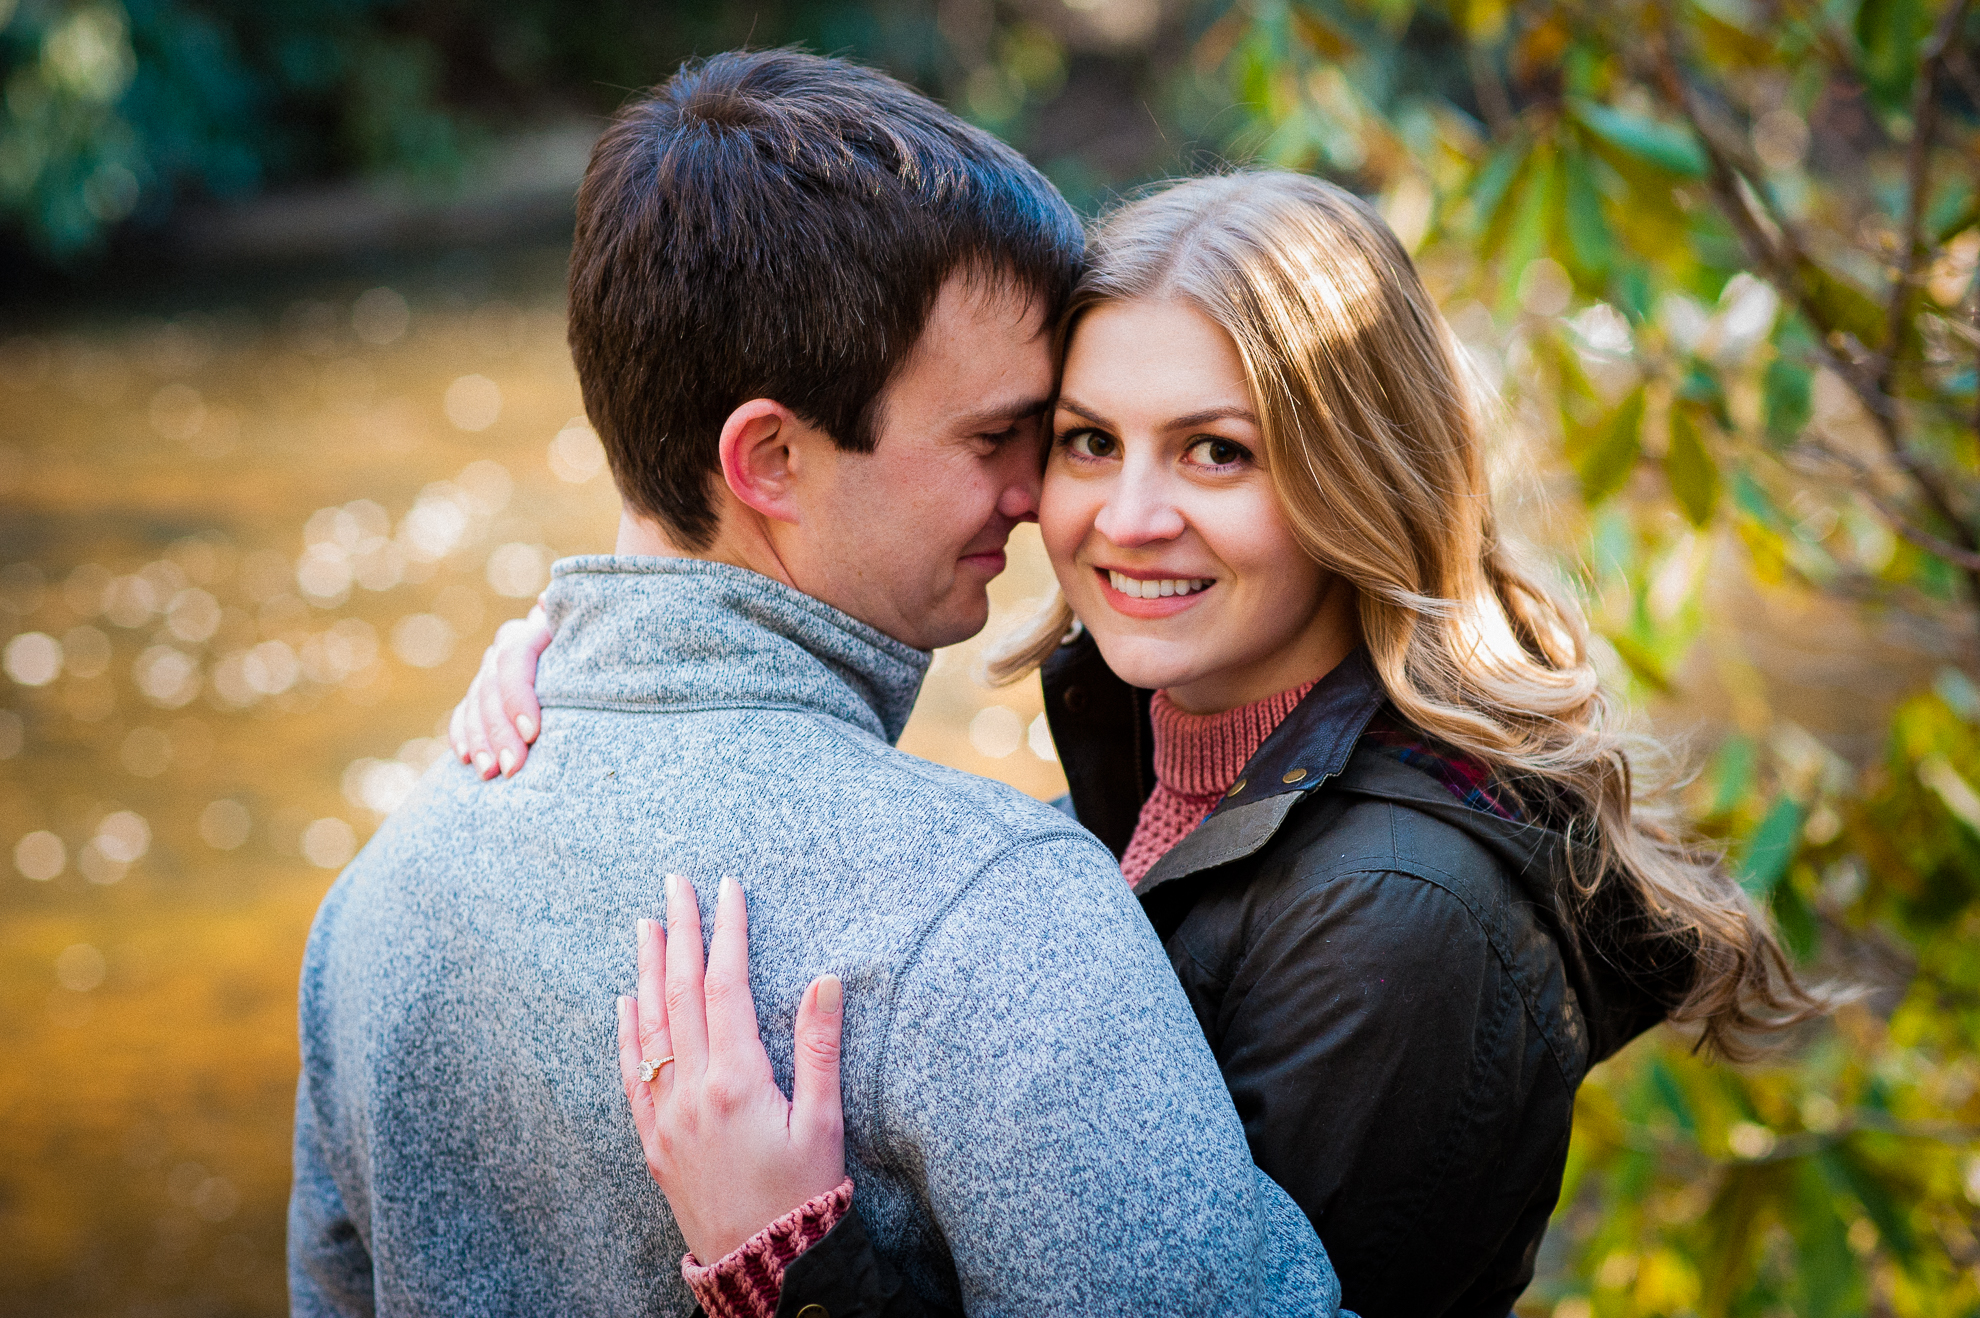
x,y
648,929
674,897
526,726
625,1008
830,994
482,759
508,761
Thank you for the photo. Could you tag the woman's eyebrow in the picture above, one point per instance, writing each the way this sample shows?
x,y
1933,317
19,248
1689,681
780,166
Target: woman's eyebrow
x,y
1213,414
1071,406
1179,423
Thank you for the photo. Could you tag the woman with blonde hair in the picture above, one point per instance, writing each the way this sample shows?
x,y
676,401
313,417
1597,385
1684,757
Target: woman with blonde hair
x,y
1355,760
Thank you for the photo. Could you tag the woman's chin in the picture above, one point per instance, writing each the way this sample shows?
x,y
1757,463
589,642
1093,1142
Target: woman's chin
x,y
1148,662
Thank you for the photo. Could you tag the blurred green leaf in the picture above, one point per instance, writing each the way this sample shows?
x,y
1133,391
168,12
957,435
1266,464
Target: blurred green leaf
x,y
1640,661
1733,772
1787,399
1767,853
1830,1284
1531,207
1664,146
1589,242
1796,921
1603,456
1849,1170
1689,467
1843,306
1889,32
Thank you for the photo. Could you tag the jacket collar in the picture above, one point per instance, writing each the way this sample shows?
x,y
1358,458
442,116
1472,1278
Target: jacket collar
x,y
1311,747
686,634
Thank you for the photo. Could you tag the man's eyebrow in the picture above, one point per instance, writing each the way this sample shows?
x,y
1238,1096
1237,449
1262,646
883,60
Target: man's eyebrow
x,y
1019,409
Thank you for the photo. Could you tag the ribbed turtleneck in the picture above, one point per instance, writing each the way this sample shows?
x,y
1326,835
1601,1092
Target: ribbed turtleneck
x,y
1197,758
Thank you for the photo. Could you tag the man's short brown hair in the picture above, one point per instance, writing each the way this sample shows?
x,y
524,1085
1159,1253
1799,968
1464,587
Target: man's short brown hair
x,y
772,224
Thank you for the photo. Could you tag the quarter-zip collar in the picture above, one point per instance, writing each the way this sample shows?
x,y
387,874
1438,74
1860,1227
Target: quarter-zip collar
x,y
686,634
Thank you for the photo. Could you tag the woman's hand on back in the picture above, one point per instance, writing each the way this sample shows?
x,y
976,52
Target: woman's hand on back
x,y
729,1151
496,722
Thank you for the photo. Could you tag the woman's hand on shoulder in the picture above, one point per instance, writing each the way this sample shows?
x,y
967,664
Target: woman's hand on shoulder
x,y
497,721
731,1153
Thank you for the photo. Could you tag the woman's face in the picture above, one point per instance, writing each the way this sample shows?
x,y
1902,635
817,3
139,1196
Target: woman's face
x,y
1162,523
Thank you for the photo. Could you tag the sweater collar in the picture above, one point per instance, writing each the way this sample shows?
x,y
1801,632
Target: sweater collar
x,y
686,634
1203,754
1311,746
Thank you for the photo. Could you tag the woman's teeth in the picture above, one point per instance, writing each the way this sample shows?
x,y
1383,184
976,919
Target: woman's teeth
x,y
1148,590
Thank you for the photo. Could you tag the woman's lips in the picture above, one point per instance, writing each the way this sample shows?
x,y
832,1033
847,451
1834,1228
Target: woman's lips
x,y
1187,591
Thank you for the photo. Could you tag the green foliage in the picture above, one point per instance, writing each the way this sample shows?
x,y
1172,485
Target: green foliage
x,y
1734,243
115,110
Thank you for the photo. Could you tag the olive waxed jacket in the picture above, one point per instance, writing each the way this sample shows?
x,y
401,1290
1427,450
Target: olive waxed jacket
x,y
1385,976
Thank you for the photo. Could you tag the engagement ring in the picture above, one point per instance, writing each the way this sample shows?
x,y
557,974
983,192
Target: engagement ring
x,y
647,1070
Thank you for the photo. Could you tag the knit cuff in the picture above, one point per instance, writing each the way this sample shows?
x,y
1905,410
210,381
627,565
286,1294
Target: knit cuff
x,y
748,1282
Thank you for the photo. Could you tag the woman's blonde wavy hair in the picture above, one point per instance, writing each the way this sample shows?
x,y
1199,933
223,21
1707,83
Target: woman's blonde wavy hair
x,y
1372,436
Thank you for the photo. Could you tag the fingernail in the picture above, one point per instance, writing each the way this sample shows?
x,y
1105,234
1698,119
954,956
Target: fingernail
x,y
625,1005
526,726
482,760
646,929
673,895
508,762
830,994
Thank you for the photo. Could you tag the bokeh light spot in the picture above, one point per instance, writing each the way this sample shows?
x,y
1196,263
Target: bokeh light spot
x,y
996,731
473,402
80,968
329,843
225,825
518,570
40,856
168,677
575,454
33,659
380,316
424,640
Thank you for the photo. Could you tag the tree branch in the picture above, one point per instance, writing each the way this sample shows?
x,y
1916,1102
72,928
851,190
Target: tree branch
x,y
1865,485
1490,89
1918,188
1782,260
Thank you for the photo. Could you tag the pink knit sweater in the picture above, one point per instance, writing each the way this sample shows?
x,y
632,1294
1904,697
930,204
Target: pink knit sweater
x,y
749,1282
1197,759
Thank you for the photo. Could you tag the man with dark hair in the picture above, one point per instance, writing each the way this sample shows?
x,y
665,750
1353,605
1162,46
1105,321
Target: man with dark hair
x,y
809,311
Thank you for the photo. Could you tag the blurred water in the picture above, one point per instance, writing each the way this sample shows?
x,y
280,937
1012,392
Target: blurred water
x,y
251,547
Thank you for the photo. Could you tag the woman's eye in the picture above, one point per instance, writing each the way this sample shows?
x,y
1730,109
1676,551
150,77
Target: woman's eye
x,y
1089,444
1213,452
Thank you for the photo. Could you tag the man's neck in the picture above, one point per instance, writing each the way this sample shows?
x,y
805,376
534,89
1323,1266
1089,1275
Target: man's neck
x,y
645,537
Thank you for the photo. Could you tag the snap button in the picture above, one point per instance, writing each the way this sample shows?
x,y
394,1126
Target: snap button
x,y
1236,787
814,1311
1075,699
1293,775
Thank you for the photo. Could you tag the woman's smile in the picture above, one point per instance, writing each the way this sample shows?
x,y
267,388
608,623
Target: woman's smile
x,y
1144,593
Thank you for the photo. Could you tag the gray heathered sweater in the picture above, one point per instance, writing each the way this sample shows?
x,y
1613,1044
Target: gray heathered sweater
x,y
1034,1122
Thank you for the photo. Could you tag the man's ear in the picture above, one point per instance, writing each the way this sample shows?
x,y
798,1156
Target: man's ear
x,y
759,452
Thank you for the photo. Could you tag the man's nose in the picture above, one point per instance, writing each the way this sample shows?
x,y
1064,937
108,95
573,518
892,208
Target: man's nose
x,y
1021,479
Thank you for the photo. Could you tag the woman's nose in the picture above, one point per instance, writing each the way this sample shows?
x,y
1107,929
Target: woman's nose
x,y
1139,511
